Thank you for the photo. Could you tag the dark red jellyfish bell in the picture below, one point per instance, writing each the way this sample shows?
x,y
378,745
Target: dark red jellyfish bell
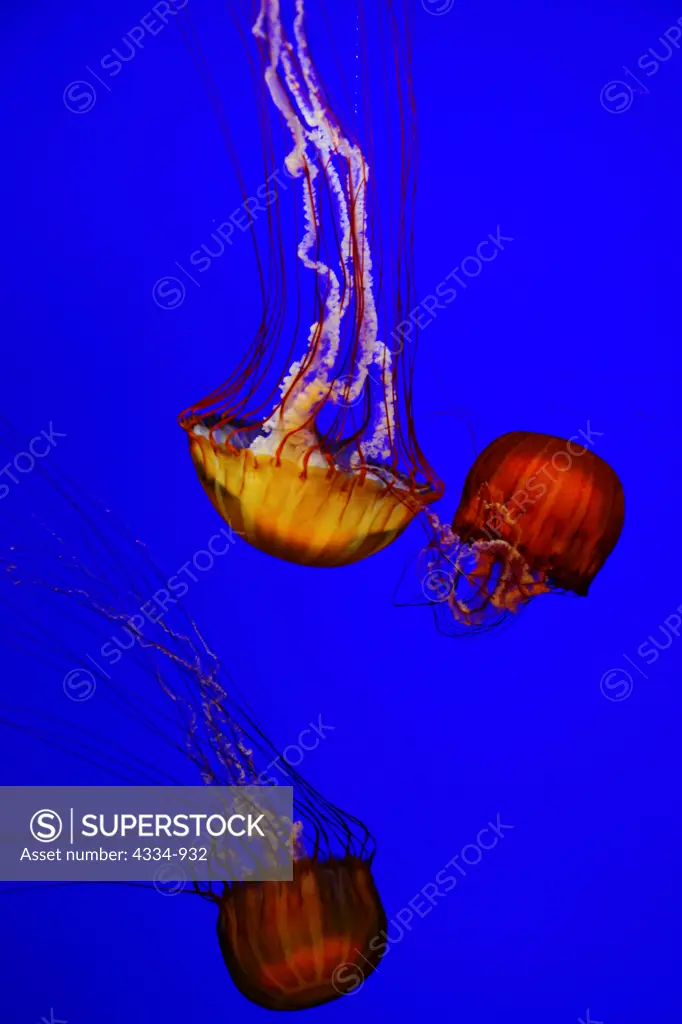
x,y
552,503
290,945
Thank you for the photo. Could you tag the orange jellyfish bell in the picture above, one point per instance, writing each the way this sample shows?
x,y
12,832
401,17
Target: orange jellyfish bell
x,y
316,460
285,943
560,506
537,513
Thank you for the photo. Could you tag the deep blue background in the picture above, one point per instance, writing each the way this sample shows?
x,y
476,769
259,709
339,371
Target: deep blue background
x,y
576,321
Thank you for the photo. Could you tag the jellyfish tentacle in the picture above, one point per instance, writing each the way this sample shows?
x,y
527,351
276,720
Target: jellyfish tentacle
x,y
308,378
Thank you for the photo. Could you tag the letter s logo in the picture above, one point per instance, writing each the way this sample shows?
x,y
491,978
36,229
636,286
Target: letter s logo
x,y
46,826
79,97
614,99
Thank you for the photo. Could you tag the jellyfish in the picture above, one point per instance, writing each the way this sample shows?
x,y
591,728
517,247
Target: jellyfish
x,y
537,514
311,453
294,945
282,941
